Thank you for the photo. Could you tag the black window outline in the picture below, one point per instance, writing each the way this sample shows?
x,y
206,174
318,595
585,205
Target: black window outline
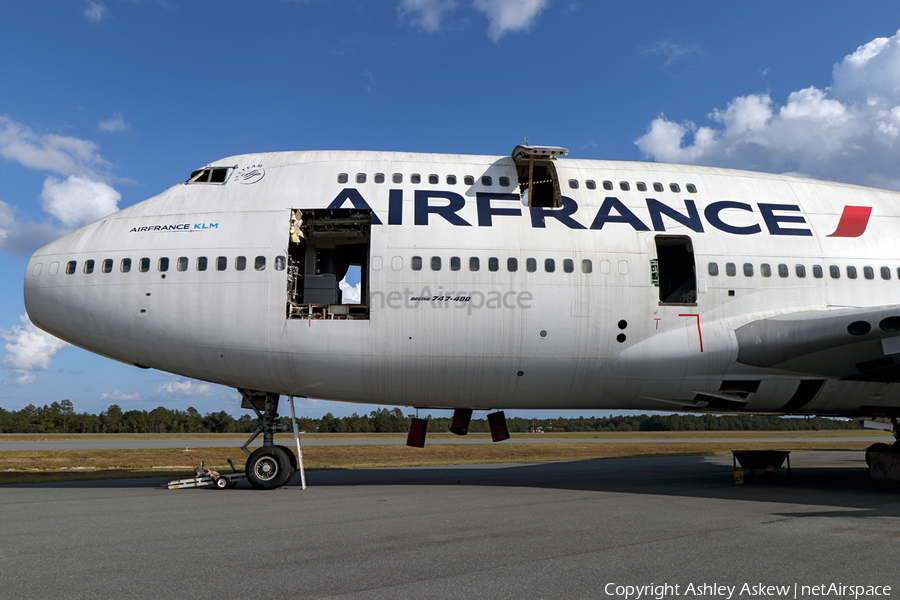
x,y
493,264
468,180
71,267
88,266
531,265
107,265
379,178
202,263
221,263
486,181
549,265
712,269
607,185
503,181
125,265
360,178
343,178
162,265
240,263
868,273
433,179
568,265
573,184
415,178
675,188
800,271
624,186
885,273
587,267
455,263
834,271
474,263
435,263
397,178
144,264
182,263
590,184
748,269
765,270
451,179
415,263
691,188
851,272
658,187
512,264
259,263
730,269
818,272
783,270
641,186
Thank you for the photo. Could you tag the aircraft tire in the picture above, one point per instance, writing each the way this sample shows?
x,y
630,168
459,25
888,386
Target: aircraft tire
x,y
879,447
268,468
293,459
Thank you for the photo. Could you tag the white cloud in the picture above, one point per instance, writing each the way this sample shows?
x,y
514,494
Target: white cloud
x,y
350,293
506,16
185,387
85,195
29,349
672,50
120,396
77,200
114,124
845,132
95,11
426,14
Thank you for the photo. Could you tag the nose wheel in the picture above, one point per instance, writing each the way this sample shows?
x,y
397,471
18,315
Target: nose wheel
x,y
269,467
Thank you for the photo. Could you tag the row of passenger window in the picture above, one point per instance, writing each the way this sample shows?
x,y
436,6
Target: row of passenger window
x,y
512,264
487,181
182,263
834,271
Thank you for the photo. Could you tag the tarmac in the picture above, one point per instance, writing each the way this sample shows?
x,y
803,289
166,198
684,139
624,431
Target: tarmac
x,y
581,529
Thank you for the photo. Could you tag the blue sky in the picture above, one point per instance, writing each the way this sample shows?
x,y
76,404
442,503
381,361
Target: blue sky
x,y
106,103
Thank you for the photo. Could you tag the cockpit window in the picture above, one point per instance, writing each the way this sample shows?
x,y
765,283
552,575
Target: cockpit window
x,y
210,175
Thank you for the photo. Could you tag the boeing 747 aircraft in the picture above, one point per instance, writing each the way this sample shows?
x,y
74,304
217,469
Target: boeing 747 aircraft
x,y
529,281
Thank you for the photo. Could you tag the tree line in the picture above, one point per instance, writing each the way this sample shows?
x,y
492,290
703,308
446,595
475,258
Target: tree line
x,y
60,417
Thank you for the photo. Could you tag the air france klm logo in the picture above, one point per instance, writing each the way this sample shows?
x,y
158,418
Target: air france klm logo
x,y
178,228
737,218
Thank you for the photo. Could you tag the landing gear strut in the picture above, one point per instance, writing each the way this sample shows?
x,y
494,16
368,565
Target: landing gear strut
x,y
269,466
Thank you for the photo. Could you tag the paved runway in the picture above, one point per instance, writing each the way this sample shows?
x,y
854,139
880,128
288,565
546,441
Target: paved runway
x,y
550,530
207,442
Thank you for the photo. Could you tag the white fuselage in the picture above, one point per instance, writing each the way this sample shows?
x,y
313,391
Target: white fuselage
x,y
598,337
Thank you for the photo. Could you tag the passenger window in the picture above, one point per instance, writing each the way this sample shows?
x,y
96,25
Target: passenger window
x,y
260,263
474,263
54,268
469,180
851,272
360,178
569,265
379,177
623,185
182,263
530,265
782,270
240,263
397,177
817,271
504,181
573,183
748,270
486,181
586,266
800,270
512,264
415,178
885,273
868,273
435,263
623,267
416,263
658,187
222,263
280,263
765,270
605,267
674,187
451,179
89,267
433,179
70,267
549,265
590,184
607,185
713,269
201,263
641,186
163,264
691,188
730,269
343,178
455,263
144,265
493,264
125,266
834,271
